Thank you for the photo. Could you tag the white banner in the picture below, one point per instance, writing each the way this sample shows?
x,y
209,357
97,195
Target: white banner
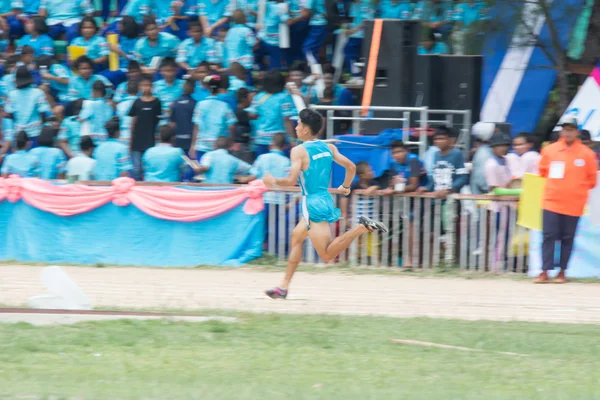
x,y
586,105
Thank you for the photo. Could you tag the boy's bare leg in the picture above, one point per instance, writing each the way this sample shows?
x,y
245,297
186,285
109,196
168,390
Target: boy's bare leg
x,y
320,236
299,234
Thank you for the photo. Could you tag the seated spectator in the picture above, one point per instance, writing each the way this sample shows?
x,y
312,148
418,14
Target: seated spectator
x,y
55,81
435,14
96,46
128,37
212,118
20,162
112,156
182,117
524,159
239,43
449,173
10,10
163,162
64,16
27,105
482,132
7,82
123,109
243,127
137,9
95,114
172,18
468,35
195,49
275,162
169,88
51,162
80,85
37,37
268,48
298,72
396,9
220,166
341,95
80,167
272,110
69,134
134,72
146,112
497,172
199,74
154,46
431,45
213,15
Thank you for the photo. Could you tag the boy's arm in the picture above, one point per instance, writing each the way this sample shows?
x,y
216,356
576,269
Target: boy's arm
x,y
462,175
348,166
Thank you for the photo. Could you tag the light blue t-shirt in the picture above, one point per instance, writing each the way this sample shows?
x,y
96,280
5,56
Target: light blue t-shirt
x,y
278,165
200,92
128,46
43,45
121,93
7,84
359,13
214,10
167,94
296,7
7,6
166,46
96,113
400,9
137,9
31,7
27,107
66,12
70,130
51,162
59,71
438,48
163,163
271,110
20,163
95,47
79,88
319,12
275,14
194,53
428,11
214,119
248,6
124,119
468,13
8,131
223,167
239,45
112,159
236,84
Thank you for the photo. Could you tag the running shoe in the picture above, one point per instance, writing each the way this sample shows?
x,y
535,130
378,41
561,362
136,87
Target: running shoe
x,y
277,293
372,225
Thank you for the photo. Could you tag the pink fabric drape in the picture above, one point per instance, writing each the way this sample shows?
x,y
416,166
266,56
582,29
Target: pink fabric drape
x,y
170,203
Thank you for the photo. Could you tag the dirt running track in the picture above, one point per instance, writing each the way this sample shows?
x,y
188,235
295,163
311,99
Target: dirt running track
x,y
326,293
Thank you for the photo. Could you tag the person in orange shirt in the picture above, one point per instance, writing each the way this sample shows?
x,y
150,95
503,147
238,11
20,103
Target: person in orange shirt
x,y
570,171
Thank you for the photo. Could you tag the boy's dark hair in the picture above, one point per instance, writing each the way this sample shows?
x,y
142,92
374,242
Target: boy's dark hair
x,y
584,134
528,136
194,24
398,144
22,140
83,60
224,81
133,87
444,131
189,86
146,78
328,69
130,27
134,66
112,127
23,77
76,106
239,17
223,142
242,94
300,66
86,143
90,20
167,133
362,167
328,93
213,82
168,62
27,51
46,138
98,87
273,82
147,21
278,141
39,24
312,119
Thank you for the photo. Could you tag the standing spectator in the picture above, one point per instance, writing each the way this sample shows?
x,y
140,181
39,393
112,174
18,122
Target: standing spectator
x,y
239,43
37,37
318,30
69,133
482,132
272,110
112,156
298,24
81,166
276,13
96,113
27,105
212,119
168,89
63,16
80,85
570,170
220,166
449,173
123,109
199,74
182,115
524,159
146,112
163,162
195,49
96,46
155,45
396,9
20,162
497,171
243,126
435,14
51,162
213,15
298,72
360,11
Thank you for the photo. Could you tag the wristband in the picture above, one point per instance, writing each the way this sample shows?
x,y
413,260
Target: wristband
x,y
347,188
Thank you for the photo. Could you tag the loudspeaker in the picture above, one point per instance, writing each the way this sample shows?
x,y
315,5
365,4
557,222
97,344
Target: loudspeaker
x,y
395,74
428,88
461,84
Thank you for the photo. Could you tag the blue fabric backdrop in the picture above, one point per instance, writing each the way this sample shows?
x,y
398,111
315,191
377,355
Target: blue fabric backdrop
x,y
126,236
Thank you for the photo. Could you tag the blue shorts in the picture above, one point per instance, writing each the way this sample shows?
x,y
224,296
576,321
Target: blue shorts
x,y
319,207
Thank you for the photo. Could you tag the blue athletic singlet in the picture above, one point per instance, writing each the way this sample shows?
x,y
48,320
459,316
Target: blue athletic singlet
x,y
317,203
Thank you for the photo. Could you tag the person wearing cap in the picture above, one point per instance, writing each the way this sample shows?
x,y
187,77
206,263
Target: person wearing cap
x,y
482,132
497,173
570,171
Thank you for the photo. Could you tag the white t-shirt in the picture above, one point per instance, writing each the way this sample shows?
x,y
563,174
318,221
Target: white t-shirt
x,y
525,164
82,166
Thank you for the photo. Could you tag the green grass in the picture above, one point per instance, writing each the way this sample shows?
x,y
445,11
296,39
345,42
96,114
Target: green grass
x,y
298,357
